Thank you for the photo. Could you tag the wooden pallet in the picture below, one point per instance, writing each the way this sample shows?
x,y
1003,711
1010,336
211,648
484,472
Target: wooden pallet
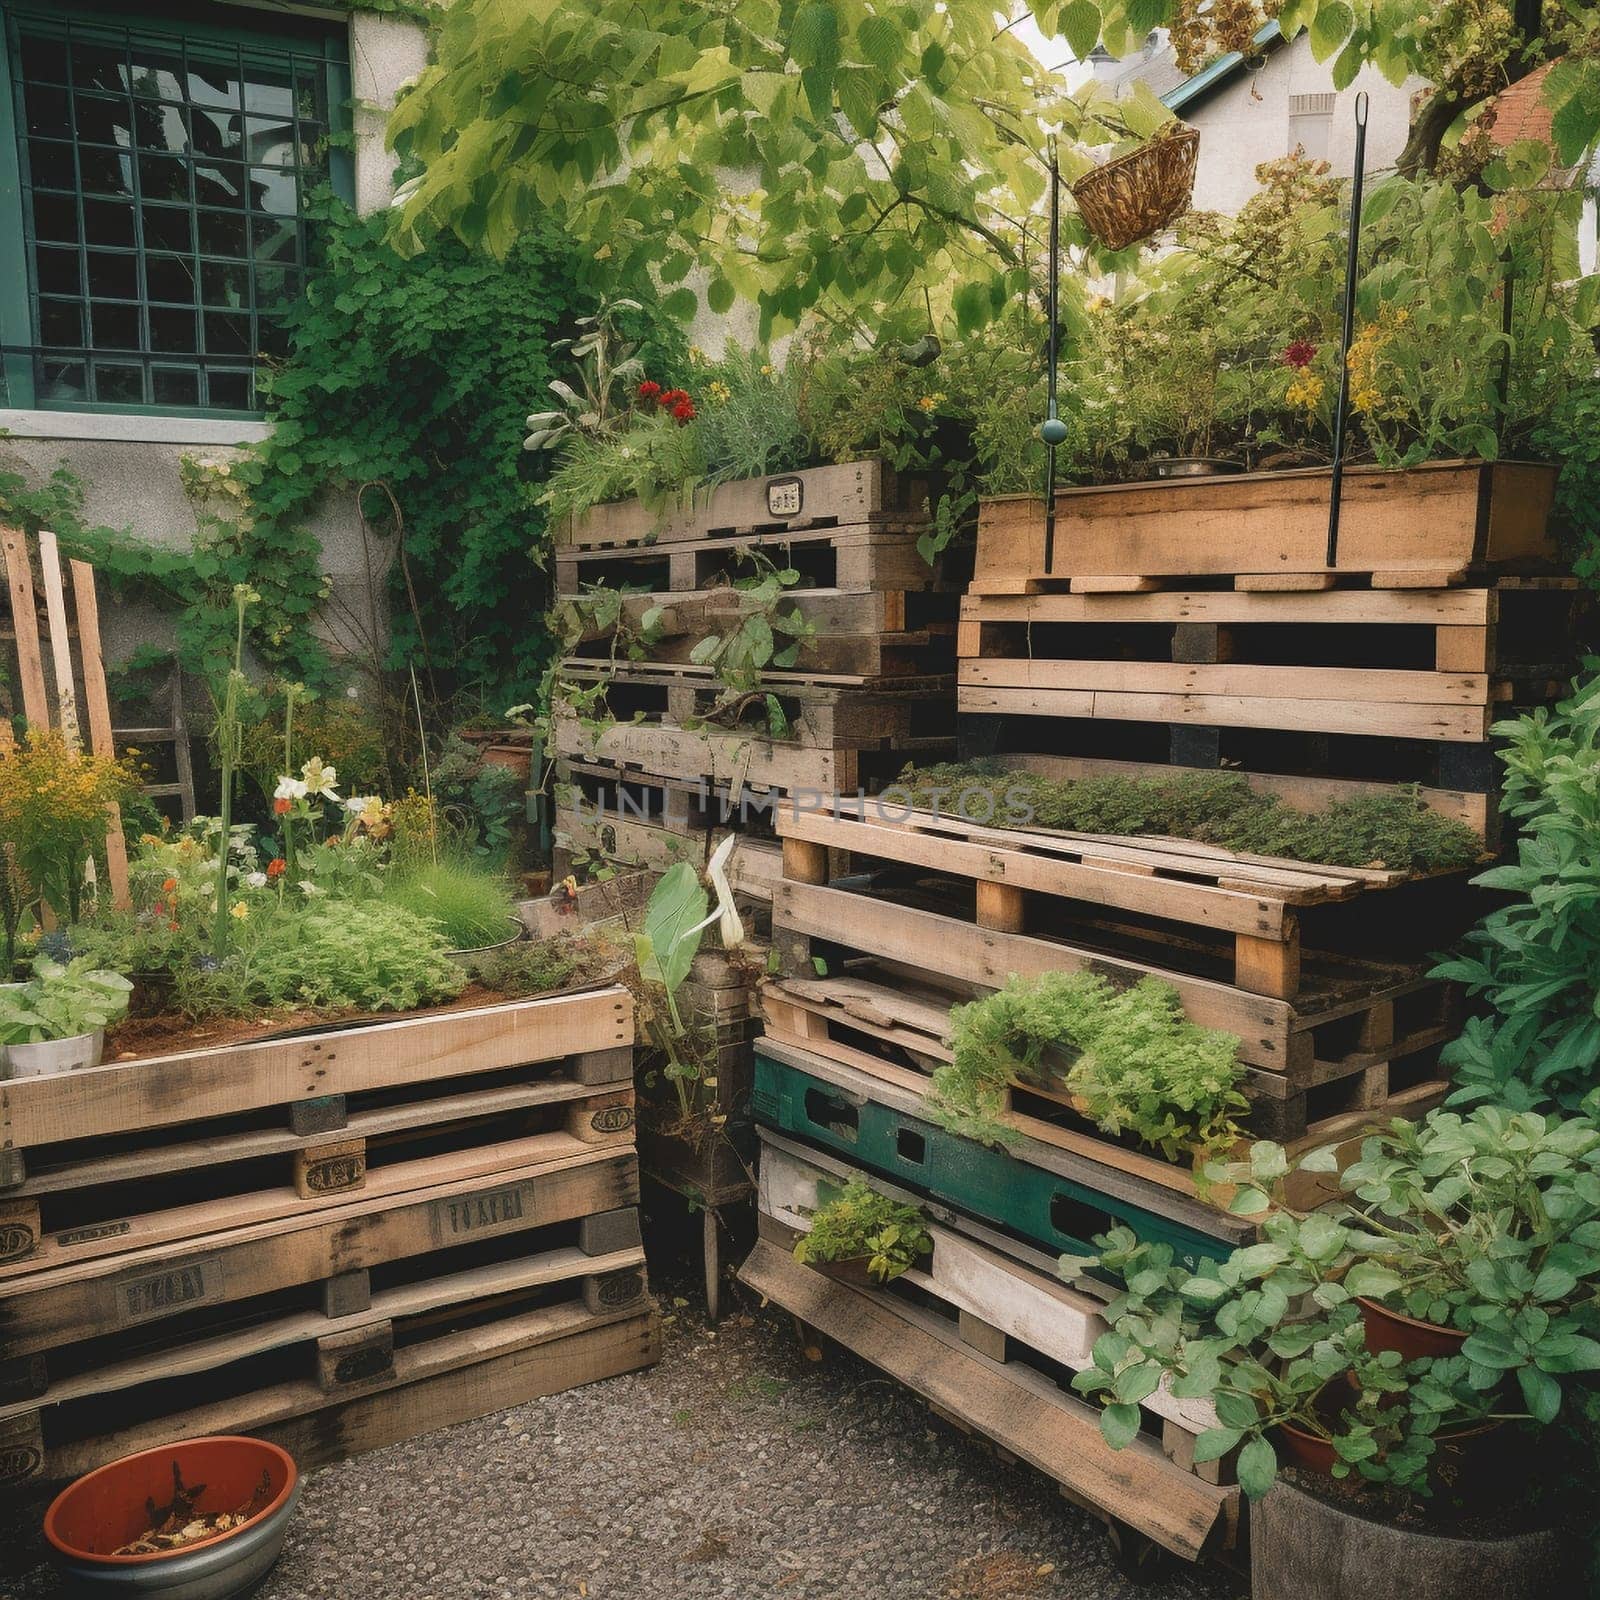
x,y
1339,1000
895,1029
1427,527
830,711
726,762
307,1076
293,1361
1218,912
657,840
1025,1412
1010,1299
1056,1194
501,1189
873,635
853,493
105,1197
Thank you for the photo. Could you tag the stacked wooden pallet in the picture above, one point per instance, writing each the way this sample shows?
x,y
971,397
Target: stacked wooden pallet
x,y
679,759
672,767
1156,626
336,1240
990,1336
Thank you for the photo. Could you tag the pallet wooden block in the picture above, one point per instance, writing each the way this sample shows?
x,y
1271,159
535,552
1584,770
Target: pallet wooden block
x,y
852,493
1429,525
1021,1410
659,840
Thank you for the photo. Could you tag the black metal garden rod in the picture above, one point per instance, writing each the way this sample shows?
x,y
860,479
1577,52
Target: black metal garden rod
x,y
1051,430
1351,272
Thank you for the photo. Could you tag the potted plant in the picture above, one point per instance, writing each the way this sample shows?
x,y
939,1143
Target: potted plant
x,y
57,1021
1396,1456
863,1237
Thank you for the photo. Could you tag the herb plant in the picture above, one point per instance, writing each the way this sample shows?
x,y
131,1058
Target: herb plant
x,y
1131,1058
62,1002
470,905
858,1222
1393,830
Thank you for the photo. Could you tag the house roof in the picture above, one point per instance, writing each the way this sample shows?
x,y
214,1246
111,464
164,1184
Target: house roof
x,y
1521,112
1211,78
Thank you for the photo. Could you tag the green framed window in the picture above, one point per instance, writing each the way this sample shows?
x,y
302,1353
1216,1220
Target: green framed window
x,y
153,186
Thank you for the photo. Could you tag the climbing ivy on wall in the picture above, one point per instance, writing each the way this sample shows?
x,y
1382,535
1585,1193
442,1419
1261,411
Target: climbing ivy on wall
x,y
414,373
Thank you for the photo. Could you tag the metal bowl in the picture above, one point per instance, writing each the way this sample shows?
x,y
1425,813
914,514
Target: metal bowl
x,y
106,1509
503,944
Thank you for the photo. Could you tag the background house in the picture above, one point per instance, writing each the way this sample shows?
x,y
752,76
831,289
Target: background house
x,y
1280,98
154,164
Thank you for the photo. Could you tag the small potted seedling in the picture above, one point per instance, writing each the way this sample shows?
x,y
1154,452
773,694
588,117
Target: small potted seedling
x,y
56,1021
863,1237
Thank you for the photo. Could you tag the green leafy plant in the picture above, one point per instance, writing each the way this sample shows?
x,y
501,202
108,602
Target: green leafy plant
x,y
1489,1224
469,905
1534,960
1272,1341
62,1002
367,955
1394,830
861,1222
1131,1060
538,966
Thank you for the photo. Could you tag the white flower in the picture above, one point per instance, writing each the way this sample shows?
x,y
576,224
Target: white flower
x,y
308,888
357,803
256,880
319,779
289,789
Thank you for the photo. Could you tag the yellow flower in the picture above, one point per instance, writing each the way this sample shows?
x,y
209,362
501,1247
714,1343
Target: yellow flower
x,y
719,392
696,355
1305,391
766,369
931,402
239,909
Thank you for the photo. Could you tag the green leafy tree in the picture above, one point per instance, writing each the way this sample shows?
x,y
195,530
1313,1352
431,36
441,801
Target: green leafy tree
x,y
842,157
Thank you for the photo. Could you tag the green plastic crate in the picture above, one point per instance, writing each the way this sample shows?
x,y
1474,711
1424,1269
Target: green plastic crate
x,y
1039,1206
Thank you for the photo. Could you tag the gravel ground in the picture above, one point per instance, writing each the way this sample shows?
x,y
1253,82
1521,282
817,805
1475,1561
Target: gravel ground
x,y
734,1468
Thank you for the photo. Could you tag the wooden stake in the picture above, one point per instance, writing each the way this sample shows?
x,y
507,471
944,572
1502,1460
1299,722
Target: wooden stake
x,y
24,619
97,707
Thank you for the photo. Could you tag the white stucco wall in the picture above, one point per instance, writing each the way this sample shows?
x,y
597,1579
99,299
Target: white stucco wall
x,y
128,465
1248,121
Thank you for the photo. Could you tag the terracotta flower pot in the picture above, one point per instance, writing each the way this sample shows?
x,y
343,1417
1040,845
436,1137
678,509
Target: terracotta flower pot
x,y
1411,1337
107,1509
857,1270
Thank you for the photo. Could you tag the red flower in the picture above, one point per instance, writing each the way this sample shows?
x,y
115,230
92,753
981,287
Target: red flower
x,y
277,867
672,397
1300,354
683,411
649,389
281,808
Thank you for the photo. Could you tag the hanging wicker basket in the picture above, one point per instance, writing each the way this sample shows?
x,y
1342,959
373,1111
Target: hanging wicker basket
x,y
1138,194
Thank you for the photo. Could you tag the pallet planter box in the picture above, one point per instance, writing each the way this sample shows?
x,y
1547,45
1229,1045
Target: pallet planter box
x,y
1424,527
1055,1197
257,1236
